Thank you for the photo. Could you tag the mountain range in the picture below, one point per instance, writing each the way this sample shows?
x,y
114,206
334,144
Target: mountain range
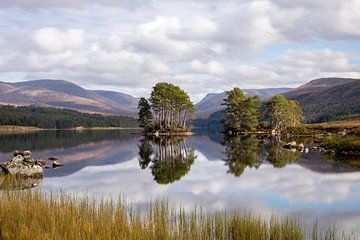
x,y
64,94
321,99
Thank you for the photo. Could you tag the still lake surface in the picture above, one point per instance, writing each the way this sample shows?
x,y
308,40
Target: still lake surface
x,y
243,173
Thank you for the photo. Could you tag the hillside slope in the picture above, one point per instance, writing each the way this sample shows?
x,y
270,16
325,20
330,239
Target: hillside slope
x,y
64,94
328,98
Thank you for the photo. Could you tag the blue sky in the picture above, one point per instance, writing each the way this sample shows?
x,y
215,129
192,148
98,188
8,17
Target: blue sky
x,y
203,46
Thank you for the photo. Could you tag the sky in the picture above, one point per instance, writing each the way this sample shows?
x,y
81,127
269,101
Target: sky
x,y
203,46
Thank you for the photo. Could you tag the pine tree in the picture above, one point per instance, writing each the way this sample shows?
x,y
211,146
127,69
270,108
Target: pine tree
x,y
145,114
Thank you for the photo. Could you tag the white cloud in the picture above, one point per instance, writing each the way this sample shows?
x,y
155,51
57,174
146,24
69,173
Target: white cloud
x,y
217,44
53,41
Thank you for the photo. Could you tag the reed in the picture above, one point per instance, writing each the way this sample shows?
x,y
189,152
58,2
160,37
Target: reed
x,y
36,215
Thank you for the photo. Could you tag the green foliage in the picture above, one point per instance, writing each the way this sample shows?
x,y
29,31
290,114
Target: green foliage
x,y
242,113
283,113
145,114
54,118
342,144
171,109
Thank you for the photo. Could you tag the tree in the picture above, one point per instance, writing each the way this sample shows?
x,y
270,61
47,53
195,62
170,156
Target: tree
x,y
233,108
242,113
283,113
249,115
171,106
145,114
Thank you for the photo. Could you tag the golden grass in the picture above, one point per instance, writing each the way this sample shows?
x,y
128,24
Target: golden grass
x,y
344,124
34,215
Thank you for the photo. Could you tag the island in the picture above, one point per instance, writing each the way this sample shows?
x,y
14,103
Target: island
x,y
167,112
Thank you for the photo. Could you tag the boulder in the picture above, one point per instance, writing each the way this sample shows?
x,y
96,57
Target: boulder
x,y
22,165
290,145
22,169
57,164
300,147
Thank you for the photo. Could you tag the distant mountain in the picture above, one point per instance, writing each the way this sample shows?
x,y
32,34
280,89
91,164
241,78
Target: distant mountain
x,y
119,98
212,102
64,94
327,98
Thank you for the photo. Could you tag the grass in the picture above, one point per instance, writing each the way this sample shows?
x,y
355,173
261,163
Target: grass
x,y
347,144
35,215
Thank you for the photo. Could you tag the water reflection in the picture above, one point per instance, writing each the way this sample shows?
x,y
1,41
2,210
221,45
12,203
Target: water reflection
x,y
17,182
242,152
170,158
249,151
199,169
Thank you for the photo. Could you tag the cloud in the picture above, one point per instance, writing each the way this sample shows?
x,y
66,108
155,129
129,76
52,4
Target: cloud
x,y
52,40
202,46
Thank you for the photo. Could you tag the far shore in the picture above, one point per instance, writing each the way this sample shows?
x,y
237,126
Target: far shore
x,y
10,129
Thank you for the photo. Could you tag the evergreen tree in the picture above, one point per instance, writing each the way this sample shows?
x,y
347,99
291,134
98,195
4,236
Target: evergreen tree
x,y
233,103
242,113
145,114
171,106
283,113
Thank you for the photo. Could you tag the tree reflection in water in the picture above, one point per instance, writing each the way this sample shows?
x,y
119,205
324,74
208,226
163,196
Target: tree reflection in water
x,y
169,158
246,151
279,156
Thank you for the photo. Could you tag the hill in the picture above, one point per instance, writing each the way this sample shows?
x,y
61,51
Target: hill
x,y
327,99
64,94
212,102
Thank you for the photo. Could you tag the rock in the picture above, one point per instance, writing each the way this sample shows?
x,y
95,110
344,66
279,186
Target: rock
x,y
22,165
300,147
57,164
22,169
40,162
290,145
306,150
342,133
53,158
27,153
17,153
273,132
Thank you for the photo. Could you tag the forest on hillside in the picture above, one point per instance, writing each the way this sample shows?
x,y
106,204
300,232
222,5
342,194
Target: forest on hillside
x,y
54,118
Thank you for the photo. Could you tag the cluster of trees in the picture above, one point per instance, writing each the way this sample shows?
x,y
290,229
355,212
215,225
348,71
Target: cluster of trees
x,y
247,113
54,118
168,109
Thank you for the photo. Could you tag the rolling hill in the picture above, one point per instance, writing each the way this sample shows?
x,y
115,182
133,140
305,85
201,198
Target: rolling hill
x,y
64,94
328,98
212,102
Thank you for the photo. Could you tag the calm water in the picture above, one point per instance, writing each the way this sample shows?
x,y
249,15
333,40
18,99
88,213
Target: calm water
x,y
241,173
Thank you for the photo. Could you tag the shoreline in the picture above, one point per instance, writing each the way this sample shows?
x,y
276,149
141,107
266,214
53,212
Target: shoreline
x,y
12,129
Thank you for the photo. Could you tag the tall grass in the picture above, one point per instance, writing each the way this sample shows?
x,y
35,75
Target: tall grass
x,y
35,215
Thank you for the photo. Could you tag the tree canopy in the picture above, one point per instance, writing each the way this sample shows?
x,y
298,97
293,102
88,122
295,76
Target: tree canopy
x,y
170,107
241,112
283,113
244,114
